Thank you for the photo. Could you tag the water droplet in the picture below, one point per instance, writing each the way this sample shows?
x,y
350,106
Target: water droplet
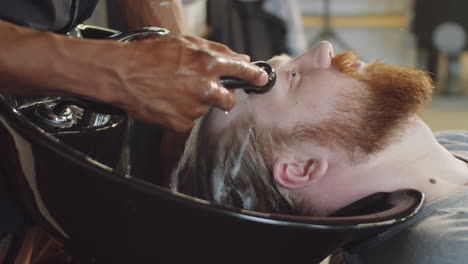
x,y
226,112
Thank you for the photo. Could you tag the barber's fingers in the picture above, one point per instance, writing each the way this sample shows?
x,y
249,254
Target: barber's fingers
x,y
197,110
179,117
180,124
217,47
183,120
241,70
212,92
219,96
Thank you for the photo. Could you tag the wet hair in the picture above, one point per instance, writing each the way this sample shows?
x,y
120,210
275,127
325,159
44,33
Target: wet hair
x,y
233,167
230,167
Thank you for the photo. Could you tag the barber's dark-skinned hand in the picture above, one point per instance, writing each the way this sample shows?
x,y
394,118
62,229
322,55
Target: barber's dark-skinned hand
x,y
172,80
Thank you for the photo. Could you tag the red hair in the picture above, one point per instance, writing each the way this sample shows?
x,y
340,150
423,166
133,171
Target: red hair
x,y
369,118
365,121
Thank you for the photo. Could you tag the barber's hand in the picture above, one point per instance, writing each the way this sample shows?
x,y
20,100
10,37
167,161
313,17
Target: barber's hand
x,y
173,80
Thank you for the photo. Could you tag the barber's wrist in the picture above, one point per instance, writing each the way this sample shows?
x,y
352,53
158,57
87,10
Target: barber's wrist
x,y
91,68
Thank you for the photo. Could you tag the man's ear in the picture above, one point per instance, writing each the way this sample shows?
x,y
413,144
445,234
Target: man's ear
x,y
294,174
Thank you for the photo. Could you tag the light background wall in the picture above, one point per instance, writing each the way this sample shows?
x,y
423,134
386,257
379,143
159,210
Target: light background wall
x,y
395,45
389,44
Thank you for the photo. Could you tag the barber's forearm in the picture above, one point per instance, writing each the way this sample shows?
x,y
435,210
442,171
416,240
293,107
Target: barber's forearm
x,y
160,13
36,62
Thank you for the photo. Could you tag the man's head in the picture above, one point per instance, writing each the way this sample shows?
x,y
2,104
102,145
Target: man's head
x,y
323,111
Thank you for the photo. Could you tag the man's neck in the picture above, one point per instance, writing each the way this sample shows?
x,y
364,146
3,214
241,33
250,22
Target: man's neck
x,y
414,161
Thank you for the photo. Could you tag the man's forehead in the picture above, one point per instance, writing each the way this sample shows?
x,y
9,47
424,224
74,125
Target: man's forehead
x,y
279,60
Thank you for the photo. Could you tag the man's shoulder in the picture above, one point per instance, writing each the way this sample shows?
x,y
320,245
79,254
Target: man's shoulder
x,y
458,135
439,237
455,142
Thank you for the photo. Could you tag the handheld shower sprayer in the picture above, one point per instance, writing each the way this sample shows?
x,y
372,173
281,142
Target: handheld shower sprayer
x,y
233,83
228,82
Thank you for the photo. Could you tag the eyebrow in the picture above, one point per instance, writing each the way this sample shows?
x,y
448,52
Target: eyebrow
x,y
279,60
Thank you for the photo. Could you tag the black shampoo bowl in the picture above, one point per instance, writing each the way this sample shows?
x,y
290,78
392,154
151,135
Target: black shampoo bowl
x,y
72,174
106,216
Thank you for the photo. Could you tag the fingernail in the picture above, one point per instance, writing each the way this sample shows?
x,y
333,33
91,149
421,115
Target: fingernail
x,y
263,78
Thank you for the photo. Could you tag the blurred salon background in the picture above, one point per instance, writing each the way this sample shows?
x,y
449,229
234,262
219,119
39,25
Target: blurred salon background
x,y
425,34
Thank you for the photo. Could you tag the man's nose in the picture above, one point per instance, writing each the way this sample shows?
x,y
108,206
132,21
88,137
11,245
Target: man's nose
x,y
320,56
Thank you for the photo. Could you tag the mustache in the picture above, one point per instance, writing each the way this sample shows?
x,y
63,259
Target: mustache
x,y
344,62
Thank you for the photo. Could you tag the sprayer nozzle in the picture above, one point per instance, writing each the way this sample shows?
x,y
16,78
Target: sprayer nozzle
x,y
233,83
